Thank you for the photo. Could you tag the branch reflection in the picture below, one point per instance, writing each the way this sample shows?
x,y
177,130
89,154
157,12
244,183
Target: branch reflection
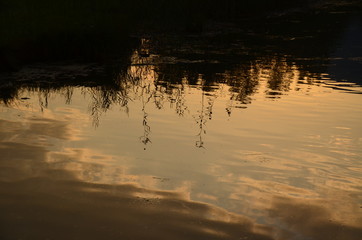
x,y
162,72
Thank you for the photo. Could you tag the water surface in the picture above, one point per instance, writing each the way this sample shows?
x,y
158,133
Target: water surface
x,y
194,138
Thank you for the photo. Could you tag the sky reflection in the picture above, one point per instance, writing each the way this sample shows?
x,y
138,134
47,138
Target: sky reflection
x,y
259,160
184,142
50,191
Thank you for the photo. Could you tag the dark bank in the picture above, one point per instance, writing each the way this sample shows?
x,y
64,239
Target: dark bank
x,y
95,30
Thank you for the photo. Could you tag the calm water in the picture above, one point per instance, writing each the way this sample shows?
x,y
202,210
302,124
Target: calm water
x,y
193,139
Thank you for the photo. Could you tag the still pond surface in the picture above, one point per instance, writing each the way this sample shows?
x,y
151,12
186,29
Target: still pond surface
x,y
192,140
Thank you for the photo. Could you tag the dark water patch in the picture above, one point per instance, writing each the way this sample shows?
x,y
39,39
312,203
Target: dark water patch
x,y
310,221
96,30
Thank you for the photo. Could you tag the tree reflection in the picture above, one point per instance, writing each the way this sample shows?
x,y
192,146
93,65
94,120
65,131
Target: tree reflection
x,y
163,85
161,71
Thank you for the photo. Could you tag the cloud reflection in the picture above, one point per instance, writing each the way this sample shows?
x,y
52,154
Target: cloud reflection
x,y
49,200
72,193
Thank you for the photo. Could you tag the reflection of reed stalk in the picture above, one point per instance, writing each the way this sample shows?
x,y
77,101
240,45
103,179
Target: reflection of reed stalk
x,y
178,99
204,114
200,121
146,128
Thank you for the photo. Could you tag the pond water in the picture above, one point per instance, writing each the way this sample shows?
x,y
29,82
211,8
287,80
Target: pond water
x,y
195,138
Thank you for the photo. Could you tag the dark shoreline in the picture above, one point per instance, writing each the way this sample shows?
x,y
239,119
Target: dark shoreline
x,y
94,57
94,31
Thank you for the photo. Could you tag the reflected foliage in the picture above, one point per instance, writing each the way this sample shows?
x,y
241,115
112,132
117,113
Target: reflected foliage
x,y
234,59
219,53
